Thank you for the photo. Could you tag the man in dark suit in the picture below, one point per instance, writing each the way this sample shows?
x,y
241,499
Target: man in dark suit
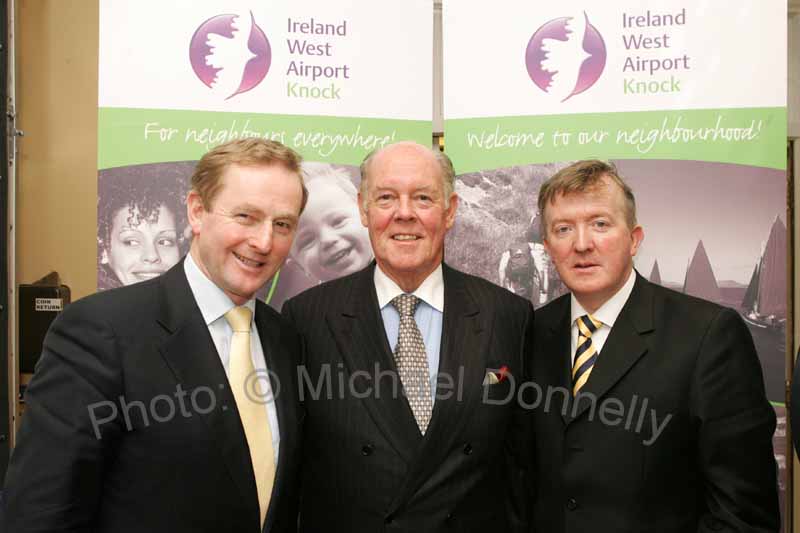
x,y
170,405
651,412
385,449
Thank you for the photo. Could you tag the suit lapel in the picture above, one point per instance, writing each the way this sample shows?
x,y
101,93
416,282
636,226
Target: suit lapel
x,y
624,346
361,339
556,349
280,366
189,351
463,356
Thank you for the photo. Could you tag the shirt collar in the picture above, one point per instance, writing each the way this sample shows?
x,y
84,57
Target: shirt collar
x,y
610,310
430,291
212,301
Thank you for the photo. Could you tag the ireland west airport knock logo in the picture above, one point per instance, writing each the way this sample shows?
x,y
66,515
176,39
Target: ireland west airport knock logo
x,y
566,56
230,54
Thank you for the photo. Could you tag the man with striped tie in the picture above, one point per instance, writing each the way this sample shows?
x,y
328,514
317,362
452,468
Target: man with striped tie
x,y
654,415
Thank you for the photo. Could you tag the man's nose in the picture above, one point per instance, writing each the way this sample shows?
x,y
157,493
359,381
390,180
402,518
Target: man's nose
x,y
261,239
405,209
583,240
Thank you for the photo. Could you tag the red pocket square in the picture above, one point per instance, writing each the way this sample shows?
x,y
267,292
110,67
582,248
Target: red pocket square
x,y
502,374
493,378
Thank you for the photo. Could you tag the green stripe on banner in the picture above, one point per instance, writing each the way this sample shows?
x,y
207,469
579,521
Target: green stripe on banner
x,y
132,136
749,136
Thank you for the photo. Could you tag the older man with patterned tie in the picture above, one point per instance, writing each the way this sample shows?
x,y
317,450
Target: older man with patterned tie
x,y
427,435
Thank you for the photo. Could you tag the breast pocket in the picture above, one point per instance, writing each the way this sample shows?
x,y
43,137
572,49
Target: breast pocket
x,y
498,393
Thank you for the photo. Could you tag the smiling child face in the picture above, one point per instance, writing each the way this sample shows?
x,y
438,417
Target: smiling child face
x,y
330,241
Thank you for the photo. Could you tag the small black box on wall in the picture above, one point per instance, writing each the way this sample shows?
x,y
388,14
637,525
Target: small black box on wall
x,y
38,307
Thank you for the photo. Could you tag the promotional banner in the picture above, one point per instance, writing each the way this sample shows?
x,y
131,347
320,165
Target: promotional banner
x,y
333,81
687,99
658,79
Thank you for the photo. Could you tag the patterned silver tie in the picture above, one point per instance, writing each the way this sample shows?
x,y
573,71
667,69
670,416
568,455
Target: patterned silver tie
x,y
412,361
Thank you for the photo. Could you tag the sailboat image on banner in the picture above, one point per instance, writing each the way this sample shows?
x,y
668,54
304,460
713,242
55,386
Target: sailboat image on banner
x,y
764,303
700,280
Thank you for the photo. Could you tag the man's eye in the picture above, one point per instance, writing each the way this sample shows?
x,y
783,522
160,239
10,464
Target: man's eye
x,y
601,223
338,222
283,225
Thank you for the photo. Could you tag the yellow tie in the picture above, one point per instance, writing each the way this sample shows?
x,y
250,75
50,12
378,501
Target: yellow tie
x,y
250,403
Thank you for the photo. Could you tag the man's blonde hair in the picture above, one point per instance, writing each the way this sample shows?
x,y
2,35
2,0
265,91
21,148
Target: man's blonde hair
x,y
207,176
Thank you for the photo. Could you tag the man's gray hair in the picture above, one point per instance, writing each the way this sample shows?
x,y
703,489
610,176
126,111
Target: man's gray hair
x,y
446,168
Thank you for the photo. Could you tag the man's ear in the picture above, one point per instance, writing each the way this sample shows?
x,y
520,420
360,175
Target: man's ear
x,y
637,236
450,216
196,211
362,212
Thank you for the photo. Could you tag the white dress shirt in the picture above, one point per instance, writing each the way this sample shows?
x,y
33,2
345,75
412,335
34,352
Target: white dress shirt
x,y
607,314
428,315
213,304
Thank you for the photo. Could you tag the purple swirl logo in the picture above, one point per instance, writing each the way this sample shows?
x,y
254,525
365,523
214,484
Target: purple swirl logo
x,y
229,55
566,56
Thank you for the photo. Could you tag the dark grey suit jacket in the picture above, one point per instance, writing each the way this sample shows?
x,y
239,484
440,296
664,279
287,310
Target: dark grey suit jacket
x,y
367,468
174,458
704,463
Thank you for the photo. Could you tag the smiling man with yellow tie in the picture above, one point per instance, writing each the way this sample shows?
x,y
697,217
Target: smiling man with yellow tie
x,y
655,416
171,405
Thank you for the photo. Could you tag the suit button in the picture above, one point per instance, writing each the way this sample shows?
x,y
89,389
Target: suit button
x,y
468,449
367,449
572,504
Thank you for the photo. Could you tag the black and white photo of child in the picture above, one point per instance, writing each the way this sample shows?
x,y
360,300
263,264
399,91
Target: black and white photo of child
x,y
330,242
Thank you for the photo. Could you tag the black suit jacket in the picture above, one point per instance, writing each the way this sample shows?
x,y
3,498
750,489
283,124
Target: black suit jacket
x,y
174,458
602,464
794,406
367,468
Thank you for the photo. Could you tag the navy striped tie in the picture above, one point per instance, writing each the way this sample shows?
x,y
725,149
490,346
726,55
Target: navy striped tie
x,y
585,355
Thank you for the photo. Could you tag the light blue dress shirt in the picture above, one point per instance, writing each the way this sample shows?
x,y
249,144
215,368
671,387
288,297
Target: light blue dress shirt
x,y
428,315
